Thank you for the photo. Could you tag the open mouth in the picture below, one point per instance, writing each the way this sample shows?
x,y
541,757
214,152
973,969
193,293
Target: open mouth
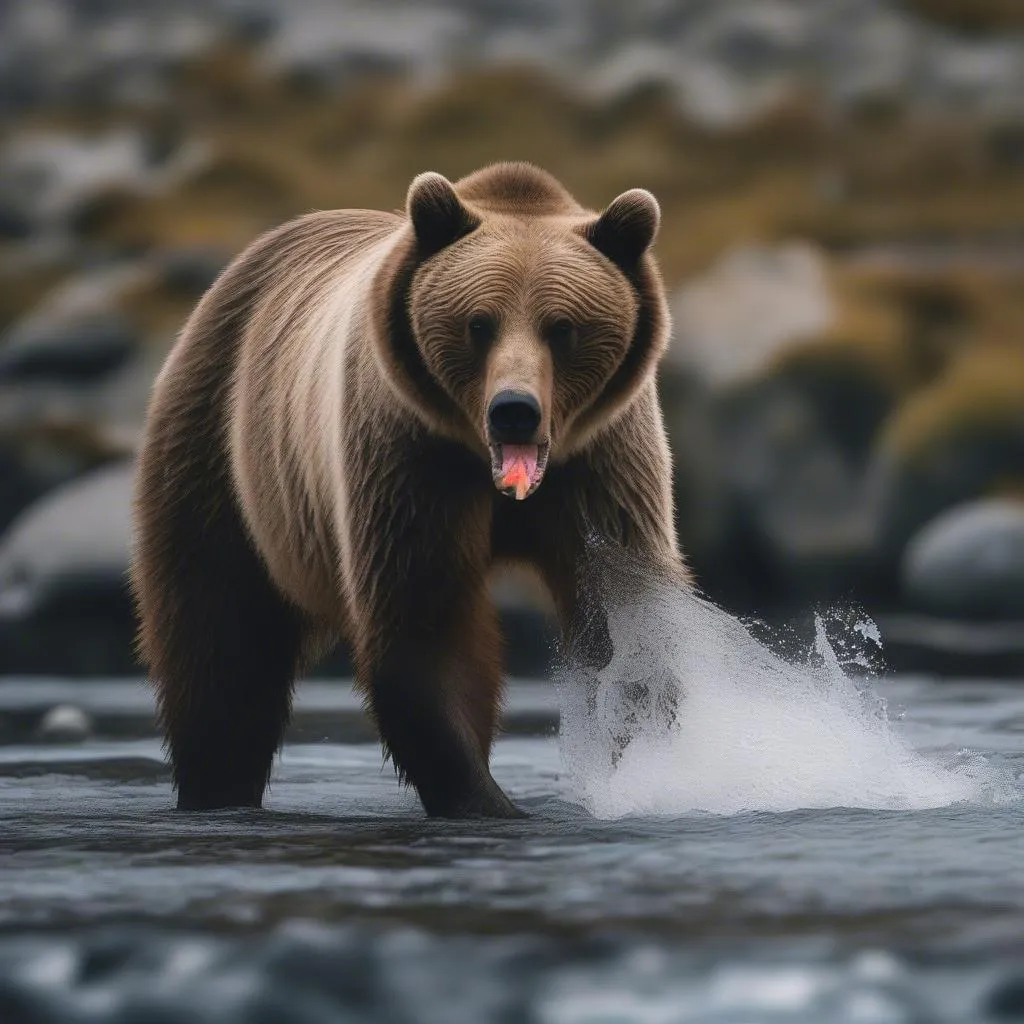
x,y
517,469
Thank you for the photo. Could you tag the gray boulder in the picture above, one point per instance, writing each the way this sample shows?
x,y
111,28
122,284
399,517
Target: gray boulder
x,y
64,603
961,456
15,223
731,322
77,335
800,524
65,608
77,371
969,562
52,175
68,352
64,723
189,270
74,535
767,487
37,457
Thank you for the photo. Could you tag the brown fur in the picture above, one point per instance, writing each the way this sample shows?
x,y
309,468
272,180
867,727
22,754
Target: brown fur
x,y
316,466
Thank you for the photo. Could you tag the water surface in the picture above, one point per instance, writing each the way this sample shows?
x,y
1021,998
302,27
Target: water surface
x,y
340,901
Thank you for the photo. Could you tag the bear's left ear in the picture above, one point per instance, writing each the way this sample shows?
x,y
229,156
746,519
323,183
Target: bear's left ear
x,y
626,229
437,214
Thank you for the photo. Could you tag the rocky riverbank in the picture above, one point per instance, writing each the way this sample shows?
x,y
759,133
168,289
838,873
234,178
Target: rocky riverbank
x,y
843,240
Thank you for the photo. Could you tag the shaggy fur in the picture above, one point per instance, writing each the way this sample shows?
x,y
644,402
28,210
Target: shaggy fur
x,y
317,465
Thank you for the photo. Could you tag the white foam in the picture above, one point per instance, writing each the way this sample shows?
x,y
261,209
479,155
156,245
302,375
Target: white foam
x,y
751,731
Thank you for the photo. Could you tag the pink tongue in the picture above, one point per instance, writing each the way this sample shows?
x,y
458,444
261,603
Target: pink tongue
x,y
521,457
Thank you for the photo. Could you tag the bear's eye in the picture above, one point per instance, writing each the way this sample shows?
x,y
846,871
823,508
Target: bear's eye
x,y
561,332
481,329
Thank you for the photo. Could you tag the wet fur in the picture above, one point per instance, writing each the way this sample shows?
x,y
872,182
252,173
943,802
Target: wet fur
x,y
312,471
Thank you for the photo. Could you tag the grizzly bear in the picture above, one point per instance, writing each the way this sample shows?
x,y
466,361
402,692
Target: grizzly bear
x,y
364,415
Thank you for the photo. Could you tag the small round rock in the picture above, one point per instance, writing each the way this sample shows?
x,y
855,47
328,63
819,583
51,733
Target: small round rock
x,y
64,723
1006,1002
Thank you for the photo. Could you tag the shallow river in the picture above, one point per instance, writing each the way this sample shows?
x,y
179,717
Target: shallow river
x,y
340,902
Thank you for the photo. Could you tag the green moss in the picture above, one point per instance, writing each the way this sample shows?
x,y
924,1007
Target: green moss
x,y
21,288
158,310
70,440
281,146
982,392
972,15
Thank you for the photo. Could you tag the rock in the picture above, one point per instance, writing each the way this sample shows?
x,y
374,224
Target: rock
x,y
800,528
1006,1001
18,1002
75,376
371,39
958,648
190,271
701,496
253,26
969,562
972,16
723,60
958,439
81,365
797,370
35,458
59,180
69,352
54,171
528,628
77,334
64,723
19,486
78,533
729,323
775,428
15,223
527,624
64,605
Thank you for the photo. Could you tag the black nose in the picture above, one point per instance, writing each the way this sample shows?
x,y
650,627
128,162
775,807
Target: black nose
x,y
513,417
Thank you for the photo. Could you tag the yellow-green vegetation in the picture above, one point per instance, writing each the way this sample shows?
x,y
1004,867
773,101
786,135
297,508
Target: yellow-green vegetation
x,y
65,440
981,392
21,288
868,337
157,310
972,15
921,358
281,146
905,326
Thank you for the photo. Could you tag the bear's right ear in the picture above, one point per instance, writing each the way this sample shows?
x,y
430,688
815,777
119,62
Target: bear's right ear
x,y
437,214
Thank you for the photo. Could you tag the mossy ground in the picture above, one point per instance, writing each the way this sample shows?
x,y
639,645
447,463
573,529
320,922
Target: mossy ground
x,y
281,146
982,16
920,349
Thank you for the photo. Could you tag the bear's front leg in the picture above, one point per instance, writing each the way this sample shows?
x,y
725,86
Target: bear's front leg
x,y
426,638
434,693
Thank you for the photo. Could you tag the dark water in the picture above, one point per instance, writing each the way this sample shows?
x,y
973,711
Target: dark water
x,y
340,902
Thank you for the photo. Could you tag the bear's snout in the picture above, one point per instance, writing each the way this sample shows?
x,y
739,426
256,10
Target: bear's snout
x,y
513,417
518,457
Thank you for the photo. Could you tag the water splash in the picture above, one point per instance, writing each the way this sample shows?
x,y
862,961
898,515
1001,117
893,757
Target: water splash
x,y
693,714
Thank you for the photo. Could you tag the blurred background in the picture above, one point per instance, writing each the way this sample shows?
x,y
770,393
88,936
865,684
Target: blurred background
x,y
842,183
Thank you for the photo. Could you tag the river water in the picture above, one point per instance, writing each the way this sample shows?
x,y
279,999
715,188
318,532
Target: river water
x,y
801,846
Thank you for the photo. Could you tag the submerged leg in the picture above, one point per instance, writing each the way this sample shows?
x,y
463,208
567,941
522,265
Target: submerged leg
x,y
221,642
428,650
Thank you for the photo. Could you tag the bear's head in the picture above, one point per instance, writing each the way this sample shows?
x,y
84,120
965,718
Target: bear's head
x,y
521,323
